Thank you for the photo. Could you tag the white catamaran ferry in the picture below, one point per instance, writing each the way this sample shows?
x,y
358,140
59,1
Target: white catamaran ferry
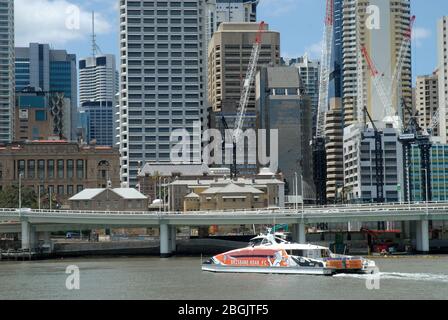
x,y
267,253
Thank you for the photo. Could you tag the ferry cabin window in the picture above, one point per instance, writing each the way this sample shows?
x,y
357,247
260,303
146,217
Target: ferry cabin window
x,y
256,242
298,253
325,254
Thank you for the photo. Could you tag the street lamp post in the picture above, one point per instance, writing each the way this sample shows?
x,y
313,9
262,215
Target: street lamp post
x,y
20,193
303,193
296,187
426,190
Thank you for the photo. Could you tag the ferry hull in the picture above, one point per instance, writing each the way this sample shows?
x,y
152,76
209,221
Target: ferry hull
x,y
268,270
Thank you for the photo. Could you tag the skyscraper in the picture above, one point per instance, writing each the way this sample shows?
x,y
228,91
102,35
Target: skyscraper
x,y
236,10
442,38
283,107
229,53
7,71
427,100
382,38
309,75
49,70
98,86
98,78
336,58
162,74
219,11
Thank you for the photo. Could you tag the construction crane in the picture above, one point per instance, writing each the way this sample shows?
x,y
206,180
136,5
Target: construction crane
x,y
244,100
319,141
415,135
386,96
390,113
412,130
379,165
404,51
378,135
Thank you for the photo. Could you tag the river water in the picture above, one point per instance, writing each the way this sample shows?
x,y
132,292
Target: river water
x,y
181,278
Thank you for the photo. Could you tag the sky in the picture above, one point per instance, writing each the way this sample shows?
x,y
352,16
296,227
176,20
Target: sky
x,y
300,23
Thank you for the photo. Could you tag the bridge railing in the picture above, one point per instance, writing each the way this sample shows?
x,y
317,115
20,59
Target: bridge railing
x,y
309,211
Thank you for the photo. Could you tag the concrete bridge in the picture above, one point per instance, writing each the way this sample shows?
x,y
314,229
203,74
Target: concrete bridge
x,y
31,222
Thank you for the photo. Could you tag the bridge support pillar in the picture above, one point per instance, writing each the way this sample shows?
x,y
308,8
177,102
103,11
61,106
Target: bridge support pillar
x,y
165,251
422,236
28,236
299,233
46,235
173,234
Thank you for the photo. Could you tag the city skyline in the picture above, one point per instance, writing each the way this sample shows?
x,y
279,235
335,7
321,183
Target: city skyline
x,y
280,14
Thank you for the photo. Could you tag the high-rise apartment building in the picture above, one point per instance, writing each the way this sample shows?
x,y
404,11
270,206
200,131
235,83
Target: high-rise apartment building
x,y
334,149
380,26
161,79
98,86
442,44
229,52
6,70
427,101
49,70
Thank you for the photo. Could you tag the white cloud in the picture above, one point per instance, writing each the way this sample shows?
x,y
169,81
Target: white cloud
x,y
420,34
54,22
315,50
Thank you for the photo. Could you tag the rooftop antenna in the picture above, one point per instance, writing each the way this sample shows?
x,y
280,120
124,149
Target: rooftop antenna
x,y
93,35
95,47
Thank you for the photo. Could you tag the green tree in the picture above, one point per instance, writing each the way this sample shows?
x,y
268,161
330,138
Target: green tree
x,y
9,198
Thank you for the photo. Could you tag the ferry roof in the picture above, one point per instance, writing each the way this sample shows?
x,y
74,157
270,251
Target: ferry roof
x,y
298,246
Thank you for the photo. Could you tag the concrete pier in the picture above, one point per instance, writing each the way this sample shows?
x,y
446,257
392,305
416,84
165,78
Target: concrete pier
x,y
26,243
165,244
173,234
422,236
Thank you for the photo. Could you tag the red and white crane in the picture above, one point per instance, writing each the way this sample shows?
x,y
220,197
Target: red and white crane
x,y
405,50
386,96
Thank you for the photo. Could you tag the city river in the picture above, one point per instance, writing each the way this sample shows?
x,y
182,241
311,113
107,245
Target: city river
x,y
181,278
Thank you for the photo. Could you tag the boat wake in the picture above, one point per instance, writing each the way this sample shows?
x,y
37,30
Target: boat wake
x,y
429,277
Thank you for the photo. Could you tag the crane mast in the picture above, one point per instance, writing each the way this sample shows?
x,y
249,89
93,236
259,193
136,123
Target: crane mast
x,y
404,50
412,133
245,97
247,84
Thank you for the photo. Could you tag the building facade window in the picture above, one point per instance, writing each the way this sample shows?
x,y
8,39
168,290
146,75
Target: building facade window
x,y
70,169
79,169
41,169
61,190
60,169
50,169
31,169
